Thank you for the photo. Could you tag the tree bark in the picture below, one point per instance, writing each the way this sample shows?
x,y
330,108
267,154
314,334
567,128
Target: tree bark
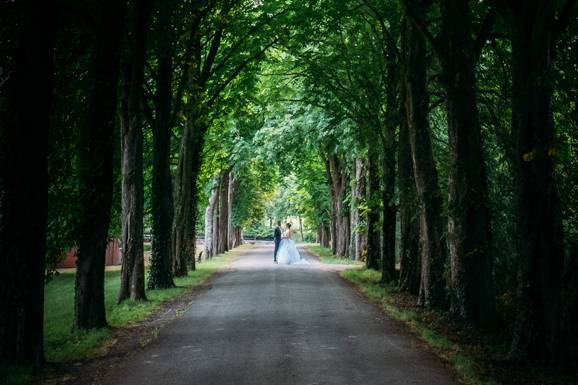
x,y
184,227
373,189
223,223
182,219
96,168
132,278
359,238
389,207
162,210
325,237
409,252
333,223
540,234
238,236
230,200
469,217
338,177
209,217
215,229
433,249
184,223
24,182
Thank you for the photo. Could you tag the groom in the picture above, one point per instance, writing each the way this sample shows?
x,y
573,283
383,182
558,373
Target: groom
x,y
277,238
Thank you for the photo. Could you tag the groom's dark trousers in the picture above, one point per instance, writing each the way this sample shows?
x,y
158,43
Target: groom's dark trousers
x,y
277,238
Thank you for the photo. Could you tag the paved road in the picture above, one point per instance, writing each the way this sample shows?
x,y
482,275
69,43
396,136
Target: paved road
x,y
269,324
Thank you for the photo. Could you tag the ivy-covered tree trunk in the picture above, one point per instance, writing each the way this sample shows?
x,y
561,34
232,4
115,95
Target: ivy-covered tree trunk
x,y
433,249
162,210
540,237
132,276
96,167
389,147
409,252
24,181
373,197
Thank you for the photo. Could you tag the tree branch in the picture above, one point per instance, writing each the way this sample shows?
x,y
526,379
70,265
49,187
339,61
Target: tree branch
x,y
386,32
238,70
210,59
248,35
421,26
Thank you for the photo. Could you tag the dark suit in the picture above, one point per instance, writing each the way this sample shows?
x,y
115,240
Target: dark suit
x,y
277,237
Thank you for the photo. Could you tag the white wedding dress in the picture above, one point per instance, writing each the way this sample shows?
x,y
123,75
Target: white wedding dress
x,y
288,253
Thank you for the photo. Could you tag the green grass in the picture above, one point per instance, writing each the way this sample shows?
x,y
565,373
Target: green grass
x,y
326,256
15,374
64,345
469,368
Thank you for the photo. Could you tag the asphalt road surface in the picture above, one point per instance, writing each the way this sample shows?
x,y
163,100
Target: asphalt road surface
x,y
263,323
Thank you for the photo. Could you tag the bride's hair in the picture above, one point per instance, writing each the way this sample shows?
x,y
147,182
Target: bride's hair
x,y
289,225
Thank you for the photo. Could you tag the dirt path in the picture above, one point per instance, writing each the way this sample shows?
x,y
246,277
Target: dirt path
x,y
263,323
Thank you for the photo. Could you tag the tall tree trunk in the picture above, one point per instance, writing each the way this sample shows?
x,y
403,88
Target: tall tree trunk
x,y
469,217
209,217
182,203
238,236
230,200
333,222
373,188
358,197
540,237
96,168
433,249
190,157
215,229
409,252
192,234
162,210
24,182
223,223
389,206
325,235
132,279
338,177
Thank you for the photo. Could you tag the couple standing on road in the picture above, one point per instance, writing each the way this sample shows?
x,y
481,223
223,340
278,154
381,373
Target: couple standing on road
x,y
285,249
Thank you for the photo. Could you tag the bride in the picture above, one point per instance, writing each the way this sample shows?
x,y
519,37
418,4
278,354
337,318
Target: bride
x,y
288,253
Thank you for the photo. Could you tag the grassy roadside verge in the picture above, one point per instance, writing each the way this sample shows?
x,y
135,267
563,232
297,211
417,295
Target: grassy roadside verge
x,y
468,368
62,345
326,256
476,358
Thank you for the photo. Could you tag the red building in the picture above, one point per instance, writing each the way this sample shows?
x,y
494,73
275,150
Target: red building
x,y
113,256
